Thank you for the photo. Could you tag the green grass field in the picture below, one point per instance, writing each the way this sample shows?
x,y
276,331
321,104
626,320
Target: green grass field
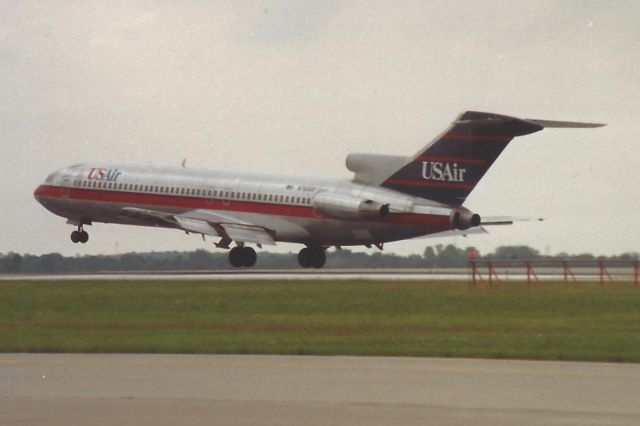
x,y
444,319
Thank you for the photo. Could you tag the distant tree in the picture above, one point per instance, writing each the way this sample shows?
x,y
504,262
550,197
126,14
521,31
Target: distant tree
x,y
516,252
451,256
200,259
50,263
12,263
132,262
430,257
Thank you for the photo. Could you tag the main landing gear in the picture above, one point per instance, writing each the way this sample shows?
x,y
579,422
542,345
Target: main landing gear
x,y
312,257
242,256
80,236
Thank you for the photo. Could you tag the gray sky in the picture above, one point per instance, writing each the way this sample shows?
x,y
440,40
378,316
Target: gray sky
x,y
294,86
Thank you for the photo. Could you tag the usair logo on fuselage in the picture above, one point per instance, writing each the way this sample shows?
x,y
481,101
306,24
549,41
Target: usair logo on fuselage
x,y
442,171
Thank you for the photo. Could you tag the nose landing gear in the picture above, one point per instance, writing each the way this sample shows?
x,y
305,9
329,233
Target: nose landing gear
x,y
80,236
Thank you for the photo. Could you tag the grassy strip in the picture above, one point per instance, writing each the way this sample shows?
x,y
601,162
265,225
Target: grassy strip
x,y
449,319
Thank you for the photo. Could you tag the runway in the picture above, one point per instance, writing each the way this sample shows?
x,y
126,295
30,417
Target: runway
x,y
445,274
294,390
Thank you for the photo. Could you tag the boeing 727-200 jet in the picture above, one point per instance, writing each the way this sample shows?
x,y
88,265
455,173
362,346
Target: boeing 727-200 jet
x,y
390,197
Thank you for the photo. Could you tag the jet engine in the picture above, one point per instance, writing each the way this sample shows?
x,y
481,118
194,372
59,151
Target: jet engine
x,y
347,207
463,219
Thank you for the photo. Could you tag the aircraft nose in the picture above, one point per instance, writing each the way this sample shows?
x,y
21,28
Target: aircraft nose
x,y
38,192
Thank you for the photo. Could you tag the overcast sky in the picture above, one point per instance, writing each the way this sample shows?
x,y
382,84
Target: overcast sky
x,y
294,86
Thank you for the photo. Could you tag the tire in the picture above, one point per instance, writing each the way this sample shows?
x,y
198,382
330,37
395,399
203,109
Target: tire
x,y
75,237
318,258
249,257
84,237
304,257
236,257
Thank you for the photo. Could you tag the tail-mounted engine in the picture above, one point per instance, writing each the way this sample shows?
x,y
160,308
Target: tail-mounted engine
x,y
347,207
463,219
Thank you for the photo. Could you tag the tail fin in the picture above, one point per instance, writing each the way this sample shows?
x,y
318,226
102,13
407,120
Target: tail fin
x,y
448,168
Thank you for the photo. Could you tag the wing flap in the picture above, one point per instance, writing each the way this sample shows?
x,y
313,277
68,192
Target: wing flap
x,y
206,223
248,233
152,217
197,226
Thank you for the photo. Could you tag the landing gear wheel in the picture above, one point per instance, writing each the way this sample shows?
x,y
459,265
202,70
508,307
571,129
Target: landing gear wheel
x,y
80,235
242,256
304,257
235,257
318,259
312,257
250,257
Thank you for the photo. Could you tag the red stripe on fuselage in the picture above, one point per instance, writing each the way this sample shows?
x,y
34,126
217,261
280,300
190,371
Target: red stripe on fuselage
x,y
186,202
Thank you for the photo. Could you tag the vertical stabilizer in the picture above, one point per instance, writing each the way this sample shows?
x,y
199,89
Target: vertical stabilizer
x,y
448,169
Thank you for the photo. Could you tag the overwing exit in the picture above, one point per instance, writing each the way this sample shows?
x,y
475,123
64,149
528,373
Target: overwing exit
x,y
390,197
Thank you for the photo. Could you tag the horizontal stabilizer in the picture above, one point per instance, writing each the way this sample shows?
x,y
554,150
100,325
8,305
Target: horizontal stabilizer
x,y
564,124
507,220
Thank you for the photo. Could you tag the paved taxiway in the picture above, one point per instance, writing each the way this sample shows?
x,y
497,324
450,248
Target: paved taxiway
x,y
289,390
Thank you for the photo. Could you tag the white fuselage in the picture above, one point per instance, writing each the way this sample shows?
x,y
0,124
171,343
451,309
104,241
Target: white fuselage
x,y
284,205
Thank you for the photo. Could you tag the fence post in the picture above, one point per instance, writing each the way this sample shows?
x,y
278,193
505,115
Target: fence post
x,y
601,265
472,262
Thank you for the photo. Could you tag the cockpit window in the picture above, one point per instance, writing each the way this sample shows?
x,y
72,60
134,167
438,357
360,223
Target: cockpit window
x,y
50,177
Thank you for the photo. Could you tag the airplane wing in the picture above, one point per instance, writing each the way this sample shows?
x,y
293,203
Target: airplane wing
x,y
225,226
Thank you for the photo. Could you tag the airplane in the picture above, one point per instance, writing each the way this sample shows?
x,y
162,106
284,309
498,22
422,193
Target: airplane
x,y
389,198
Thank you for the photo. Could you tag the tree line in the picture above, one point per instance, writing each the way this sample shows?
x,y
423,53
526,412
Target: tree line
x,y
438,256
